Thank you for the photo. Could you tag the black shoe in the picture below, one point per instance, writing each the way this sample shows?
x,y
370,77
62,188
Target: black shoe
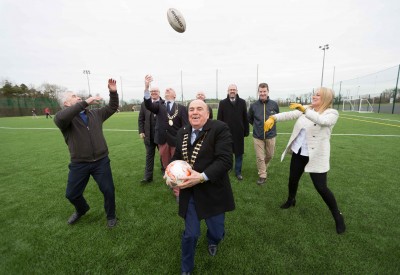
x,y
111,223
146,180
339,220
212,249
261,181
76,216
239,177
288,203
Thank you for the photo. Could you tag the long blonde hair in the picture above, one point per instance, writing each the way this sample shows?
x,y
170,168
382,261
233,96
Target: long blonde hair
x,y
327,96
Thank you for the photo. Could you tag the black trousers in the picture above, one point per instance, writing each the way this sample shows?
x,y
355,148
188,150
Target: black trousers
x,y
150,153
297,165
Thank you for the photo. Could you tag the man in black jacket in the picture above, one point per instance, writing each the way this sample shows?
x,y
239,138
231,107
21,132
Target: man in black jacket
x,y
206,194
146,123
82,130
171,116
233,111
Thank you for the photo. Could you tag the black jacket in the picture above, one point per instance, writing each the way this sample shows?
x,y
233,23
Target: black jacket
x,y
163,131
85,143
235,115
214,158
147,122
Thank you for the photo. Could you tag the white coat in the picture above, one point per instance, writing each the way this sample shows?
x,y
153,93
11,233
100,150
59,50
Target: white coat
x,y
318,132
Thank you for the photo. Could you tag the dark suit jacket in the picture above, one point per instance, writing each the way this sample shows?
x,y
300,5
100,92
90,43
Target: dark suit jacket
x,y
210,112
214,158
235,115
146,123
163,131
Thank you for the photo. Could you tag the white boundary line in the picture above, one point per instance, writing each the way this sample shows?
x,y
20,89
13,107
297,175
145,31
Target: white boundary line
x,y
124,130
16,128
368,117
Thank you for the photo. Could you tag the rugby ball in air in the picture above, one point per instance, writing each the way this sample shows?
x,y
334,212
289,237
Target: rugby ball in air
x,y
176,20
175,171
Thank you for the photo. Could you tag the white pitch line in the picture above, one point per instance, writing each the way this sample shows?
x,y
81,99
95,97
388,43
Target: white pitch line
x,y
124,130
367,117
361,135
16,128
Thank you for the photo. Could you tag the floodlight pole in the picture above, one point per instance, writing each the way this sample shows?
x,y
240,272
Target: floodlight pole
x,y
257,83
181,88
216,85
324,47
87,73
395,91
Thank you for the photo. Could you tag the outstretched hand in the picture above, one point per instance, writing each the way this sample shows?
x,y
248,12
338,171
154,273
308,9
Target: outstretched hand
x,y
269,123
93,100
112,85
147,80
297,106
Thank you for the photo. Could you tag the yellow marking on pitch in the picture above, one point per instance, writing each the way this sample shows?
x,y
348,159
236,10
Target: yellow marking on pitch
x,y
368,121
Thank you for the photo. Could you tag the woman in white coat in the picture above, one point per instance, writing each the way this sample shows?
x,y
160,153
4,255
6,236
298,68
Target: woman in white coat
x,y
309,145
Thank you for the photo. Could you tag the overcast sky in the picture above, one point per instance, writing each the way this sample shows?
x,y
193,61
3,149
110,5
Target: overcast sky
x,y
55,40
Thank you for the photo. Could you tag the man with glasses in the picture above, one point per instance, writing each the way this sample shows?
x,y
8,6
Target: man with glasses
x,y
146,123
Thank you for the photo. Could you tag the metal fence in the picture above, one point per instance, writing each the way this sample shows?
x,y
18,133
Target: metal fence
x,y
377,92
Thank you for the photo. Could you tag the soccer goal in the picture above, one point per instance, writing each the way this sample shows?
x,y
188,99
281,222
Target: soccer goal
x,y
361,105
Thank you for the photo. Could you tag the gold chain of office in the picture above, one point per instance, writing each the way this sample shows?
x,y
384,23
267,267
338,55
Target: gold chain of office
x,y
170,118
195,150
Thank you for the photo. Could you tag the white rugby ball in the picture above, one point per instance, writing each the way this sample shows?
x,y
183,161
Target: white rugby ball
x,y
176,20
176,170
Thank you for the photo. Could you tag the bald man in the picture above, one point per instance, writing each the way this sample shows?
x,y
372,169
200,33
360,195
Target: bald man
x,y
202,96
233,111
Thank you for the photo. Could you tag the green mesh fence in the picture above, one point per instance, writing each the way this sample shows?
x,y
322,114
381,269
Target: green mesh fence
x,y
23,106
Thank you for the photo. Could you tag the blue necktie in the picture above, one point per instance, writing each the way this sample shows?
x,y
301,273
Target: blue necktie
x,y
196,134
169,107
84,117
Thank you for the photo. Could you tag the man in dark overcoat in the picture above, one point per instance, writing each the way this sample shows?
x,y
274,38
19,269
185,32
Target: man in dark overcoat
x,y
233,111
206,194
146,124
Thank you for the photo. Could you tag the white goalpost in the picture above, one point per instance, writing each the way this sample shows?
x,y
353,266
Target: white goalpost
x,y
360,105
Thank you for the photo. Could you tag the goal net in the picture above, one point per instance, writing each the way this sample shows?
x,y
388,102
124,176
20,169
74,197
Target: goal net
x,y
361,105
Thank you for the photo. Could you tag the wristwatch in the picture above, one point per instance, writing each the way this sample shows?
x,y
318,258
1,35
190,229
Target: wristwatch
x,y
202,179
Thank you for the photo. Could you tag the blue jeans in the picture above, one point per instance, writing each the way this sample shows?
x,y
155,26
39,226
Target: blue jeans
x,y
215,233
238,164
78,177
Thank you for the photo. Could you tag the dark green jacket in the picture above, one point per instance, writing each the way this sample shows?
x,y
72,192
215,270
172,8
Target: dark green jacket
x,y
85,143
